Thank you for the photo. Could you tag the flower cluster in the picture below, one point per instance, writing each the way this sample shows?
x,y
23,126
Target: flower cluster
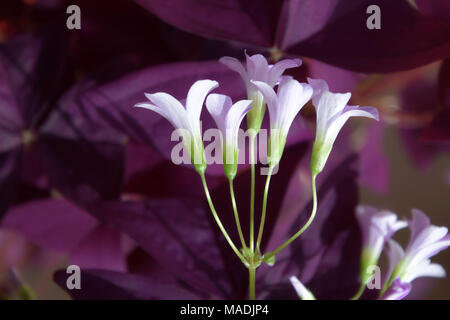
x,y
284,104
260,78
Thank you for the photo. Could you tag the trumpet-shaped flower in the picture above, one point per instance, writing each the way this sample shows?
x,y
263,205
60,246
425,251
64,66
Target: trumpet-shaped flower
x,y
376,227
185,119
257,69
283,106
302,292
332,113
228,117
406,265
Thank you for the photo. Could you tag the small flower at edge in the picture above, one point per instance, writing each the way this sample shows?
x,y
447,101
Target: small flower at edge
x,y
332,112
228,118
186,119
376,228
406,265
257,69
283,106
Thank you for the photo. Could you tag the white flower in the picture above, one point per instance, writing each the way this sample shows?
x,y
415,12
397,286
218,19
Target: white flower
x,y
376,227
257,69
228,117
332,112
186,119
283,106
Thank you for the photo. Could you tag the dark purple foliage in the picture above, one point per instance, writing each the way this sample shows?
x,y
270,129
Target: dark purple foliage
x,y
332,31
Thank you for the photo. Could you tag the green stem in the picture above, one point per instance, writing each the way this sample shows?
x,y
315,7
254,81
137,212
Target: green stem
x,y
252,192
387,284
219,223
236,215
264,208
360,292
299,232
251,282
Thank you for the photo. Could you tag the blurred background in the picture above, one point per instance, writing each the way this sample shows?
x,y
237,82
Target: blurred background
x,y
68,138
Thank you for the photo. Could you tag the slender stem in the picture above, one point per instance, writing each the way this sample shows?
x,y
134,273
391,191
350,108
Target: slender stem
x,y
219,223
299,232
252,192
264,208
236,215
360,292
387,284
251,282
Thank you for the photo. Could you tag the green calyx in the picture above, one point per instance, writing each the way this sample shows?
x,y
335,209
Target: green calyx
x,y
368,259
277,142
256,115
319,156
197,155
230,161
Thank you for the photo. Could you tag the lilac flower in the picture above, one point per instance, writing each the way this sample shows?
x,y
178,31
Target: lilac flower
x,y
332,113
407,265
283,107
257,69
301,290
377,227
187,120
228,117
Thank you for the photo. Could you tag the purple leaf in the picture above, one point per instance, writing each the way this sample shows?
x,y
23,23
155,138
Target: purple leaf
x,y
63,227
9,178
407,38
435,8
252,22
53,224
338,80
178,234
110,285
420,99
33,66
102,248
444,84
374,165
111,106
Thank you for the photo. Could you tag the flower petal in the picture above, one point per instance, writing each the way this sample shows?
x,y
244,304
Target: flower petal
x,y
237,114
196,96
427,251
218,106
377,227
235,65
425,269
395,254
278,69
301,290
319,86
271,98
338,121
257,67
171,108
422,232
292,96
